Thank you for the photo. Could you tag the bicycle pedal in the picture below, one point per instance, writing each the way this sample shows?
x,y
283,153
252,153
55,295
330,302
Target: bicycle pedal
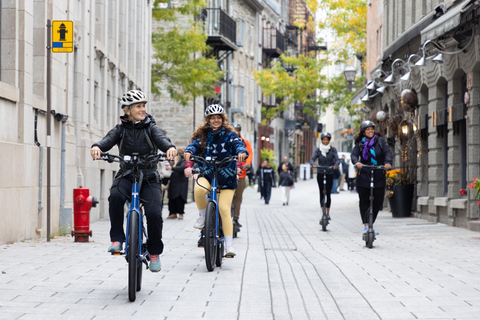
x,y
117,253
229,256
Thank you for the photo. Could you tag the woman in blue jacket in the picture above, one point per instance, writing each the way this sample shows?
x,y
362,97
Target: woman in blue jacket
x,y
216,138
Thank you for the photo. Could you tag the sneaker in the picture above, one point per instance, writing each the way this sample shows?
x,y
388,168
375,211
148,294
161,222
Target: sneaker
x,y
180,216
238,223
230,252
376,233
200,224
155,264
328,217
172,216
115,247
365,229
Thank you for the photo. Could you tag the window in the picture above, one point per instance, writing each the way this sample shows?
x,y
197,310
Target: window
x,y
240,32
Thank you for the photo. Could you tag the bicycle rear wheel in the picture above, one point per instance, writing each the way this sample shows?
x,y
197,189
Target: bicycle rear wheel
x,y
210,237
132,255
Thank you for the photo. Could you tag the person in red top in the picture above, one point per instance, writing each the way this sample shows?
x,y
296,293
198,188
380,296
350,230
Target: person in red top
x,y
241,177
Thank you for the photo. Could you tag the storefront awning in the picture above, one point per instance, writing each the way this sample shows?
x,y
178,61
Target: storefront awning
x,y
413,31
445,23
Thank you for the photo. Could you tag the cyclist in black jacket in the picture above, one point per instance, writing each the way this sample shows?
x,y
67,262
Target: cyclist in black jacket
x,y
137,133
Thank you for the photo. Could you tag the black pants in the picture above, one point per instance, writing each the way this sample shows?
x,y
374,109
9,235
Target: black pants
x,y
176,205
364,204
267,191
327,191
151,197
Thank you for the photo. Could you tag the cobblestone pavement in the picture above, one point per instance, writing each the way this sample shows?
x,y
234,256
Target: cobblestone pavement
x,y
285,268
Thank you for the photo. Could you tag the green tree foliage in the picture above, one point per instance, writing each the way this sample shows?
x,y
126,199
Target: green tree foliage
x,y
299,86
180,64
347,19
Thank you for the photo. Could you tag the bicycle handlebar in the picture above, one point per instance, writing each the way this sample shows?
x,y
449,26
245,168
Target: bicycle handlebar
x,y
134,158
370,166
213,162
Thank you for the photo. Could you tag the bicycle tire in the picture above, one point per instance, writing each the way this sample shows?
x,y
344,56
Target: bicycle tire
x,y
132,255
220,252
210,237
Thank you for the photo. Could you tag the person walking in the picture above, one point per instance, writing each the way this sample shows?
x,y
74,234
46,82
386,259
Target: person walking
x,y
267,180
344,166
178,188
138,133
289,165
370,148
325,155
244,165
216,138
351,176
286,182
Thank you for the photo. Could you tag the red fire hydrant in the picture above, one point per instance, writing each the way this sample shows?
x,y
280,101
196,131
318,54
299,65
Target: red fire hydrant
x,y
82,203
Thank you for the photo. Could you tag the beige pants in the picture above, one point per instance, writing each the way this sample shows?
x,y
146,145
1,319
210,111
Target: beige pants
x,y
239,196
342,180
224,199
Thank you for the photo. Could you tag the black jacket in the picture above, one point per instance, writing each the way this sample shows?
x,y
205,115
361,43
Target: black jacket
x,y
286,179
289,165
384,156
178,182
135,141
330,160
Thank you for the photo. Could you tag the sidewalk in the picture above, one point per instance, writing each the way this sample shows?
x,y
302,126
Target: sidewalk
x,y
285,268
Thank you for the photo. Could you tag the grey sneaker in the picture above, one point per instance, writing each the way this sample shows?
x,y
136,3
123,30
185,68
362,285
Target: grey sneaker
x,y
155,264
115,247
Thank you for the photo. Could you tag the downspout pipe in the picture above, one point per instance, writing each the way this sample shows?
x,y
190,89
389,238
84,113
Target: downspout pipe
x,y
61,117
40,169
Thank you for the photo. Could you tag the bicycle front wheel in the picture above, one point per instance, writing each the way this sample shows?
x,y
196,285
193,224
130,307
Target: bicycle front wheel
x,y
132,255
210,236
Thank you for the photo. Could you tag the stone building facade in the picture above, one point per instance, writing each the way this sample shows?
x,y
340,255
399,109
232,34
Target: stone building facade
x,y
112,49
445,121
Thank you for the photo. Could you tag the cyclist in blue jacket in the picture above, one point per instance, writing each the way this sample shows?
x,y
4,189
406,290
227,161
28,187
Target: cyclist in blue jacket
x,y
216,138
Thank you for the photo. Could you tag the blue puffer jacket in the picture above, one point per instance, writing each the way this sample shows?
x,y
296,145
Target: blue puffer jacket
x,y
220,145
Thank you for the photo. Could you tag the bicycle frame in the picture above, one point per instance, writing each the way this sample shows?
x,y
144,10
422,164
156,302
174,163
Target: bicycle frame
x,y
135,208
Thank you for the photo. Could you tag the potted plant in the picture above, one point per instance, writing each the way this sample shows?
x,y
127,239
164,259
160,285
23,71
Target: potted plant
x,y
400,189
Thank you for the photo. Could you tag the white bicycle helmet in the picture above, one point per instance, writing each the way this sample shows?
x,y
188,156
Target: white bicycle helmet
x,y
214,109
133,97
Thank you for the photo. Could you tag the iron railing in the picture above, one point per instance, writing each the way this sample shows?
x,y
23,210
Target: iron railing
x,y
219,23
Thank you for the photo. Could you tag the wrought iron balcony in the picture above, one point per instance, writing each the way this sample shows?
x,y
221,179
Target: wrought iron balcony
x,y
273,42
220,28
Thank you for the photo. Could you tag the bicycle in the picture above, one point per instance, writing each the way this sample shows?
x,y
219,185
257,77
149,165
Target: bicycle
x,y
136,252
214,244
324,220
369,237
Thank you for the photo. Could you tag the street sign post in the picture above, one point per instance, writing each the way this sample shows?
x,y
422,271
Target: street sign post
x,y
59,40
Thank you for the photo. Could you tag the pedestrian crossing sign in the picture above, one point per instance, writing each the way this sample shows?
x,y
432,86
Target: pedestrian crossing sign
x,y
62,36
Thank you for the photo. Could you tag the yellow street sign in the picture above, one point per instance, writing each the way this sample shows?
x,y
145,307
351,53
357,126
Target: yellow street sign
x,y
62,36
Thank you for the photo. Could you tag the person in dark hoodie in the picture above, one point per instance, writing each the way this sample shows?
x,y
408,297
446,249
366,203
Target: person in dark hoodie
x,y
137,133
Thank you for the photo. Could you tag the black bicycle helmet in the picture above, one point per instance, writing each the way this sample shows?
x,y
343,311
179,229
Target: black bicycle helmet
x,y
365,124
326,135
133,97
237,126
214,109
